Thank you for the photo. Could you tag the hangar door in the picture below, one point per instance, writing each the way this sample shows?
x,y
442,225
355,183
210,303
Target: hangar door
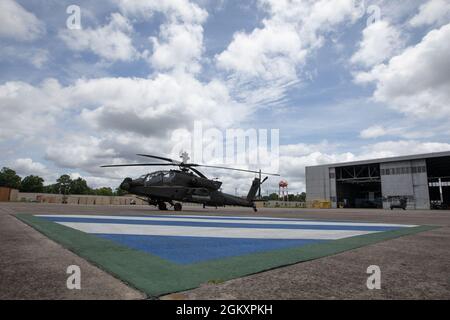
x,y
359,186
439,182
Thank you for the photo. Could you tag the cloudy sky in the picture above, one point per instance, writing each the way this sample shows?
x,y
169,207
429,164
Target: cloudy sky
x,y
341,79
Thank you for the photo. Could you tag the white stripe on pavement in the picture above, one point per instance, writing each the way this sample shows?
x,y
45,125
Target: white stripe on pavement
x,y
214,232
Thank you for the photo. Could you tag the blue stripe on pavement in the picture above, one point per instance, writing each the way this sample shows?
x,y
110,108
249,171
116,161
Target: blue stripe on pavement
x,y
208,217
224,218
186,250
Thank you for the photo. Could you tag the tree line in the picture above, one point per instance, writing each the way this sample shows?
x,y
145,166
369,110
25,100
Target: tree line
x,y
301,197
64,185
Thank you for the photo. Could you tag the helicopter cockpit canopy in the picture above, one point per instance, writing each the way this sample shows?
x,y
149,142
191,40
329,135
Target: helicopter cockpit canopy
x,y
157,176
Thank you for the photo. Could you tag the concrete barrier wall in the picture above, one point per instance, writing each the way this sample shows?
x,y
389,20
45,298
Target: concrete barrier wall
x,y
281,204
13,195
8,194
315,204
76,199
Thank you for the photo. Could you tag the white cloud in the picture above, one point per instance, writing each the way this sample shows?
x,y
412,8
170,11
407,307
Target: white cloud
x,y
264,63
86,153
27,110
111,42
292,165
133,114
18,23
99,182
401,148
26,166
269,53
78,151
396,11
405,129
373,132
39,58
180,47
302,149
36,57
380,42
432,12
417,81
154,107
175,10
280,47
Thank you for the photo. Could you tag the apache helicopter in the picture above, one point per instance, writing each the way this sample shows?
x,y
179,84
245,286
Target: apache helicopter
x,y
187,184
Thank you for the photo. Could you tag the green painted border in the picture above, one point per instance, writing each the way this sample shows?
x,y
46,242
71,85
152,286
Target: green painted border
x,y
156,276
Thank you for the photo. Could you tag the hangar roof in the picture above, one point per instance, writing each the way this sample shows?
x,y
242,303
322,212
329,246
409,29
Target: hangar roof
x,y
390,159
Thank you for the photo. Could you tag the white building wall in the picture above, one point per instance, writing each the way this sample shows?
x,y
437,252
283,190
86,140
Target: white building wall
x,y
317,183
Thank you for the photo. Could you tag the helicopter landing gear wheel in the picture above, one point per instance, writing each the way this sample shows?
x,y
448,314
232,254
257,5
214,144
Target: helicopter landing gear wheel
x,y
177,206
162,206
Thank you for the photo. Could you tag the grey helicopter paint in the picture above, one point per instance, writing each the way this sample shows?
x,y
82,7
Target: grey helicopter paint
x,y
187,184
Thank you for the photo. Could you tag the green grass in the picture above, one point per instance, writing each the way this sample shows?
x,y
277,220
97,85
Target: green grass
x,y
156,276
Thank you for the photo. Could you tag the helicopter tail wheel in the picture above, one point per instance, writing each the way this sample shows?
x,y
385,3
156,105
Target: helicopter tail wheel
x,y
254,208
177,206
162,206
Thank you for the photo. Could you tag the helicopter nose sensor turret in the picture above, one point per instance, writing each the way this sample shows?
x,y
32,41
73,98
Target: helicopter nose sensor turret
x,y
126,183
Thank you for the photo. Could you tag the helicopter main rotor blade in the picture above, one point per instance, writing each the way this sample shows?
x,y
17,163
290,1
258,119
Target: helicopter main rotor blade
x,y
158,157
198,172
227,168
182,165
137,165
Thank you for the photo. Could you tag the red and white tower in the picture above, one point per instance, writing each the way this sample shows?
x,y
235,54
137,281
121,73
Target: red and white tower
x,y
283,190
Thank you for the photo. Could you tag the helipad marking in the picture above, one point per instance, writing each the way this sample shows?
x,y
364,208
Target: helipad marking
x,y
184,239
222,224
229,220
159,264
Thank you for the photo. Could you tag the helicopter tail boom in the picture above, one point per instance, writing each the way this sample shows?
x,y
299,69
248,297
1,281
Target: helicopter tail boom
x,y
253,189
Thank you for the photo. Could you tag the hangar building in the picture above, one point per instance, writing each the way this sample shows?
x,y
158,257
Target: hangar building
x,y
422,180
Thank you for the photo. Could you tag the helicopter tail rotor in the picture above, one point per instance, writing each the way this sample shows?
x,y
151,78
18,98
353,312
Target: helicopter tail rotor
x,y
253,189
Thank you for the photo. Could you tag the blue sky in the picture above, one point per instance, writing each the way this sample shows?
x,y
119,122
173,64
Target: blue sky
x,y
340,81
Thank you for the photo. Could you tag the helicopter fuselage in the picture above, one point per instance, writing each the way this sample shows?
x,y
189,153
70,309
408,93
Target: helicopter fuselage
x,y
181,186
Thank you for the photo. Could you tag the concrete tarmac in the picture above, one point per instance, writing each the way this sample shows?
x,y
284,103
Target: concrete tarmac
x,y
412,267
34,267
